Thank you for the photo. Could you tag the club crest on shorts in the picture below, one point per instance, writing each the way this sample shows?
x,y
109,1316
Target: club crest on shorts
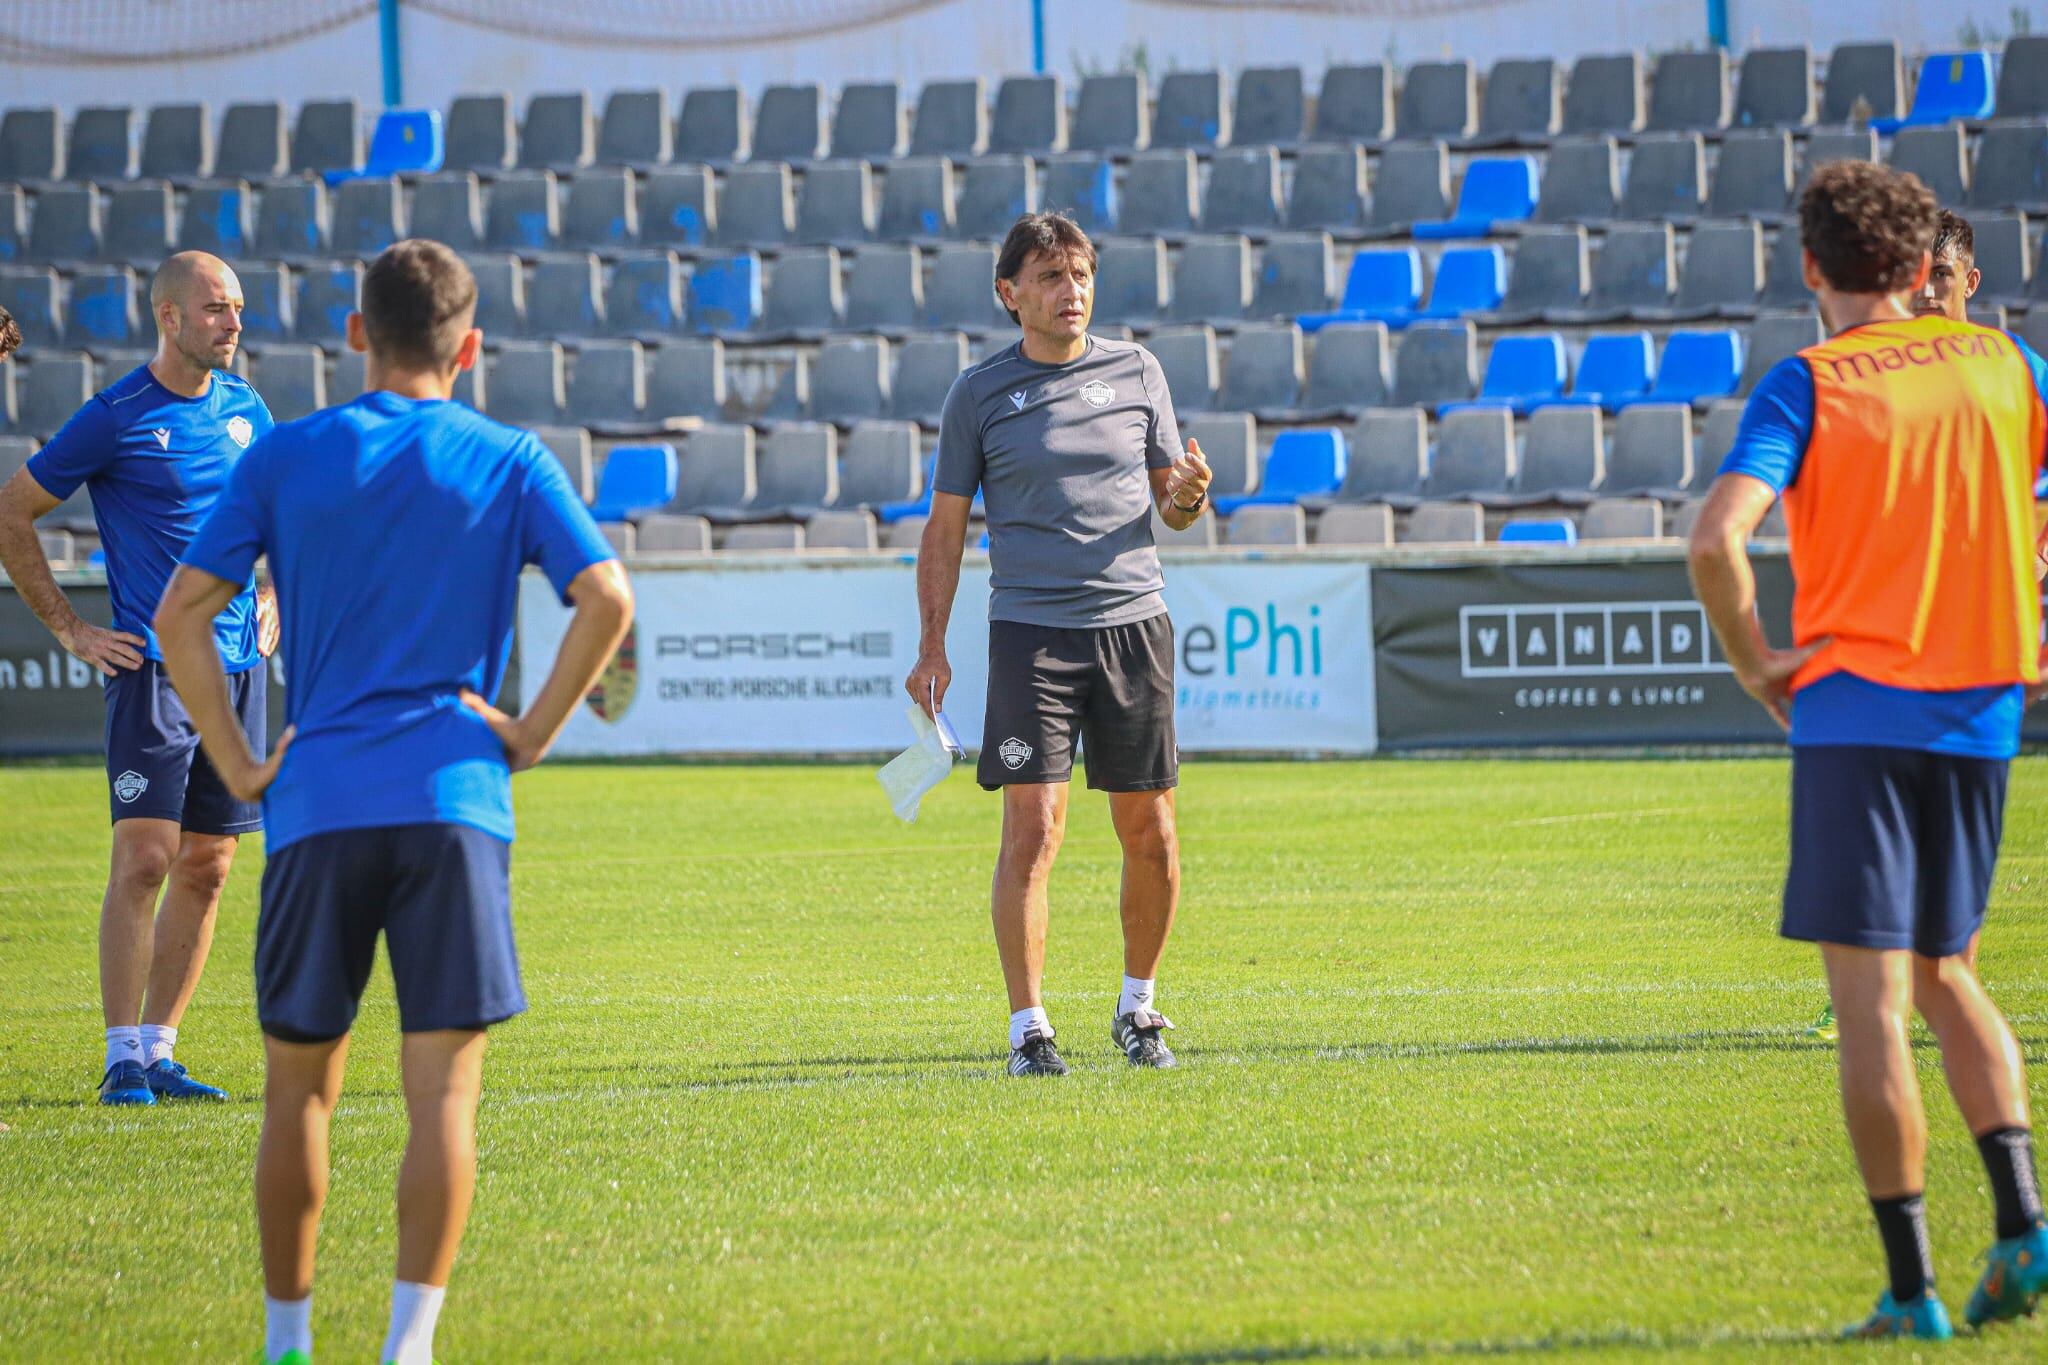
x,y
1097,394
1013,752
132,784
240,432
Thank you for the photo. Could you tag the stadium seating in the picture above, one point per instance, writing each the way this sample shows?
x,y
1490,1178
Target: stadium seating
x,y
1495,192
1539,531
1300,463
637,479
1469,279
1952,85
1521,372
1697,367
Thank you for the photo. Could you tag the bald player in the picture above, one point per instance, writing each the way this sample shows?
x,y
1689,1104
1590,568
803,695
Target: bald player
x,y
154,449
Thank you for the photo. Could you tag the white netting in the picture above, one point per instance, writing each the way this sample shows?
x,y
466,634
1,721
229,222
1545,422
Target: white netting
x,y
672,23
96,32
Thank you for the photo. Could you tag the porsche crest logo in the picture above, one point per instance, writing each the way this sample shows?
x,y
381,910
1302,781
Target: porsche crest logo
x,y
619,682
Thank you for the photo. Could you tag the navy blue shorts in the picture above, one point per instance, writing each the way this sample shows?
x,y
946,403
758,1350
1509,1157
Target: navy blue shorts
x,y
1892,848
155,768
439,893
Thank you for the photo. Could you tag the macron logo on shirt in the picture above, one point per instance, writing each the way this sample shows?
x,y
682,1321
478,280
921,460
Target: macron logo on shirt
x,y
163,437
1017,400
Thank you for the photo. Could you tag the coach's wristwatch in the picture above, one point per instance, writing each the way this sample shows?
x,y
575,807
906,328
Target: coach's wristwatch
x,y
1198,504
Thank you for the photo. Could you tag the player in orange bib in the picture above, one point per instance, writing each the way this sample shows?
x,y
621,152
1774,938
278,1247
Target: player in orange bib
x,y
1906,449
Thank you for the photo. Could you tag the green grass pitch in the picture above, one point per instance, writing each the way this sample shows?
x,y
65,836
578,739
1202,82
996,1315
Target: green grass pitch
x,y
1478,1057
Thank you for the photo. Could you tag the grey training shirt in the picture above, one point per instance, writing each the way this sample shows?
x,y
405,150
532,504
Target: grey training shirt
x,y
1061,454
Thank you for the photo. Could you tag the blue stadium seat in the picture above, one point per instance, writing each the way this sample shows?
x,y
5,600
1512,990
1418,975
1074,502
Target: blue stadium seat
x,y
1614,369
637,480
405,142
1469,279
1496,190
725,293
1382,286
1302,464
1953,85
1522,372
1539,531
1696,367
102,312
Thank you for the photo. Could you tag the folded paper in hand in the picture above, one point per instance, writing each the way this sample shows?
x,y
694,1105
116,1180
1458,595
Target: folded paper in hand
x,y
915,771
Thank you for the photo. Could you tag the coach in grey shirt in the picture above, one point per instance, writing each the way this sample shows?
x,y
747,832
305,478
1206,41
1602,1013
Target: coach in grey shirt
x,y
1072,442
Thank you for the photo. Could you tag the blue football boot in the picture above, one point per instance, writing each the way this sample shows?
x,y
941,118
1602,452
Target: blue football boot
x,y
124,1084
1924,1319
168,1081
2015,1273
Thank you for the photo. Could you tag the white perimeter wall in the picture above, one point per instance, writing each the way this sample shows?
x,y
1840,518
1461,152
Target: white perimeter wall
x,y
993,38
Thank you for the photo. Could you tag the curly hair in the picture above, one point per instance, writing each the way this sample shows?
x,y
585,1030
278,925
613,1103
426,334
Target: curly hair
x,y
1056,234
1866,226
1952,233
10,334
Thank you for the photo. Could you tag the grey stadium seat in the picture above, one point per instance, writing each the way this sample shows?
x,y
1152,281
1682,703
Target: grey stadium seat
x,y
2002,253
479,135
1212,281
101,311
1475,455
2012,166
1836,144
291,220
869,121
559,133
789,124
1772,338
1438,99
804,294
678,208
1244,191
1775,89
1130,280
1329,188
1389,457
686,378
1866,74
1650,452
292,380
347,381
665,533
1352,523
1562,455
608,385
850,379
177,142
1784,285
138,223
962,295
564,297
1754,175
1605,95
1689,92
1350,369
57,384
840,531
1230,446
717,470
951,120
30,145
363,217
322,298
763,538
1193,111
66,225
1623,519
571,448
523,212
526,383
1201,535
101,145
756,205
1636,268
328,136
917,199
1717,438
1271,106
885,289
2023,77
500,294
13,223
1031,115
796,470
1667,177
1445,523
837,207
1267,524
1187,357
1550,273
995,191
449,208
1724,271
1295,275
1523,103
1072,185
1581,181
905,533
635,129
1265,370
30,294
644,296
1939,156
1414,186
252,143
879,463
927,363
712,127
267,303
603,209
1159,193
1436,362
1356,104
1111,114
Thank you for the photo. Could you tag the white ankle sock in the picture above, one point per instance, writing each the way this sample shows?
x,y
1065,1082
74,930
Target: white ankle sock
x,y
124,1044
1137,995
414,1310
287,1326
1025,1020
158,1042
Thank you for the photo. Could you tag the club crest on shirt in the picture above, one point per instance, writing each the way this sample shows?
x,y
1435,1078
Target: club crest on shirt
x,y
618,683
1097,394
130,785
240,432
1013,752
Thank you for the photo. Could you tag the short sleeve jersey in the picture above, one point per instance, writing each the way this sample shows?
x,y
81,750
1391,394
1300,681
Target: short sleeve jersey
x,y
396,529
154,463
1061,455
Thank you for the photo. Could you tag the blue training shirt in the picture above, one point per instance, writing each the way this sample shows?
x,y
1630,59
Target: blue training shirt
x,y
396,530
1973,722
154,463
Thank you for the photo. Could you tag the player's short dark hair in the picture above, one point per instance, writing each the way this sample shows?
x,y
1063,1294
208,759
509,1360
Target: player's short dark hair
x,y
1866,225
1053,233
1952,233
419,301
10,334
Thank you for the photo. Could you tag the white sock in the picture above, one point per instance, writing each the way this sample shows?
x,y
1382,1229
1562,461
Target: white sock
x,y
1023,1021
1137,995
414,1310
158,1041
124,1044
287,1326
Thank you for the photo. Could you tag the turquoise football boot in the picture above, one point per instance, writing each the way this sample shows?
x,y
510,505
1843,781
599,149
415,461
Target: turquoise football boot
x,y
2015,1273
1924,1319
